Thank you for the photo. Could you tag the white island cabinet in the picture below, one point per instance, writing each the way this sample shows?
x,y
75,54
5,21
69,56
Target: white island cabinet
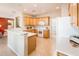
x,y
18,41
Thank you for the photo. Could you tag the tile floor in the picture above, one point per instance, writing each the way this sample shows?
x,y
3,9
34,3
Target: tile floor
x,y
4,50
44,48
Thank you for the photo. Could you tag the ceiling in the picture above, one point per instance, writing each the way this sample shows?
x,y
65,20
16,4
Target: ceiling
x,y
28,8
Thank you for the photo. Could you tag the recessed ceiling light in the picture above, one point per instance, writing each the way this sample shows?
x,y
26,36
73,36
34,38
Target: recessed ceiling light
x,y
33,10
25,9
57,7
35,5
74,4
9,21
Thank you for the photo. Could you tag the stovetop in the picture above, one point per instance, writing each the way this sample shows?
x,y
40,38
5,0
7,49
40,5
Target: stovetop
x,y
76,37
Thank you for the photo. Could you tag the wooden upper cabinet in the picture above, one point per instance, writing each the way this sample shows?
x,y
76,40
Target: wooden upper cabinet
x,y
78,14
38,20
26,21
73,12
35,21
45,19
31,21
70,9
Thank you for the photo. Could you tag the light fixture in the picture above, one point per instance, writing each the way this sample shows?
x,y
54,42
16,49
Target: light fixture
x,y
41,23
57,7
74,4
25,9
33,10
0,25
9,21
35,5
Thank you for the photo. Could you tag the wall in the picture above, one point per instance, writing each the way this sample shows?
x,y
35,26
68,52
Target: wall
x,y
4,23
64,10
52,14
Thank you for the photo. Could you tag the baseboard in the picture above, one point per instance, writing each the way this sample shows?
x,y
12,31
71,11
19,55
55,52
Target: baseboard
x,y
13,50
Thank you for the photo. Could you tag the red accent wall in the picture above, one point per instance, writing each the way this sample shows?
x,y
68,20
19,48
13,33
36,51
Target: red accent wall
x,y
4,23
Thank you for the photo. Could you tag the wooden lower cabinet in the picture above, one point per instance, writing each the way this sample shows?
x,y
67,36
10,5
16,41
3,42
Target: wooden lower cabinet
x,y
46,34
31,30
31,44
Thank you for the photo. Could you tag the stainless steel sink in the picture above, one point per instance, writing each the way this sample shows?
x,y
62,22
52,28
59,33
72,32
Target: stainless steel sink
x,y
75,39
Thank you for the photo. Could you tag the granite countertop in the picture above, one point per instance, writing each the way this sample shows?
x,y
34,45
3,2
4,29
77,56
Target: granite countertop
x,y
63,45
29,34
21,32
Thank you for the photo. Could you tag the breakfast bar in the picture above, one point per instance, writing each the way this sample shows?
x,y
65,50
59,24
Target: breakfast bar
x,y
20,42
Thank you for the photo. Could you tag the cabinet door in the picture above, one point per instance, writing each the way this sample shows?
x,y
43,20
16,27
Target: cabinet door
x,y
46,34
73,13
36,21
70,9
26,20
19,44
31,44
78,14
31,22
11,39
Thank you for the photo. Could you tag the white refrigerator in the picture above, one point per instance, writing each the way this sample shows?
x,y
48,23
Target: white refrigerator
x,y
62,26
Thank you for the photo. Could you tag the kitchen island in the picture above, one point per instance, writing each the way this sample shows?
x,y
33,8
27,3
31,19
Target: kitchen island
x,y
20,42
